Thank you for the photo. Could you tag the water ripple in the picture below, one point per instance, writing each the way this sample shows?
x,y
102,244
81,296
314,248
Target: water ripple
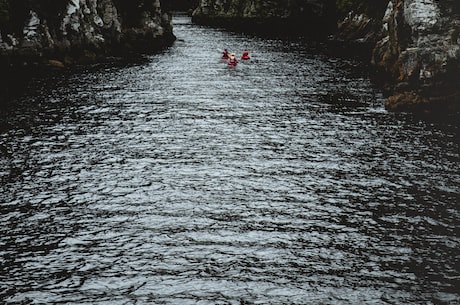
x,y
178,180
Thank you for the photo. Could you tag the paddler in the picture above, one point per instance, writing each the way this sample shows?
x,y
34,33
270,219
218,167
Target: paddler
x,y
232,60
245,55
225,54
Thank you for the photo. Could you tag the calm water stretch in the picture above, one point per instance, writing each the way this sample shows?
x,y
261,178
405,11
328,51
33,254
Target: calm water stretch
x,y
179,180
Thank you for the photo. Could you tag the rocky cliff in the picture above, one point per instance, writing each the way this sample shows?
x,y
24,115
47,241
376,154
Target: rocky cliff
x,y
62,32
359,21
414,44
274,16
420,52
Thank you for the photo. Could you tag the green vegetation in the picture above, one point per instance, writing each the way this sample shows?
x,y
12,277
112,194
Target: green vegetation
x,y
179,5
14,13
131,11
374,9
4,13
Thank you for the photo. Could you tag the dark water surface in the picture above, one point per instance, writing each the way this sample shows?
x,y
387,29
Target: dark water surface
x,y
179,180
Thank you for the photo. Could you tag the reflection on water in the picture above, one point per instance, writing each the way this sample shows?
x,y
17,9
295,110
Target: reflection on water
x,y
180,180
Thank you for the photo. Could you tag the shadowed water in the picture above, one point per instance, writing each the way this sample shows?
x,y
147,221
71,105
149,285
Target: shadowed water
x,y
179,180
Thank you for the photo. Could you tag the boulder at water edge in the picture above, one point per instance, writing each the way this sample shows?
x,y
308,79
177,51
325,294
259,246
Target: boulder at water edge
x,y
420,51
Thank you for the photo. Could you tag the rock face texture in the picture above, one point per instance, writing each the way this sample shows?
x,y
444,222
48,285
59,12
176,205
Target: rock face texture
x,y
356,35
294,16
62,32
420,52
416,47
359,21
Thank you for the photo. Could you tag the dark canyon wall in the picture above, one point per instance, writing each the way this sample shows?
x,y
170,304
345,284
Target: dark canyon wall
x,y
60,32
271,16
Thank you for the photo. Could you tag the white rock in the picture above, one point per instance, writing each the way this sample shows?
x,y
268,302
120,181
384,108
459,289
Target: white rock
x,y
421,15
31,29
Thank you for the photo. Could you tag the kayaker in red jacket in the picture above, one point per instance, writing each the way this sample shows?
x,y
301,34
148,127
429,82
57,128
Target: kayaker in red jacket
x,y
225,54
245,55
232,60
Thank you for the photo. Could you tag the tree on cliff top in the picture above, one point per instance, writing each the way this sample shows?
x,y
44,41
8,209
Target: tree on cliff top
x,y
4,11
15,13
131,11
374,8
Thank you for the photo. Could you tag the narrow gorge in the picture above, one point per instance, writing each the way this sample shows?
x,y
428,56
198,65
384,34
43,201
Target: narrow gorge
x,y
413,45
138,166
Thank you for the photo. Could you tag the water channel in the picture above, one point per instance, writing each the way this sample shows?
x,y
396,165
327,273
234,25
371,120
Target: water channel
x,y
179,180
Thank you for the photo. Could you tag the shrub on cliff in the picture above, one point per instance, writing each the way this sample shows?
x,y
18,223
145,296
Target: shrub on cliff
x,y
4,12
14,13
132,11
373,9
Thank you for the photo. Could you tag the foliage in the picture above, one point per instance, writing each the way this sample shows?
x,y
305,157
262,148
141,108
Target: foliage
x,y
14,13
131,11
179,5
4,13
50,10
374,8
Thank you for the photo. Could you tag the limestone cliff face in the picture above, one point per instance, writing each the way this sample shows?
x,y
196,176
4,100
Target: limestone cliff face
x,y
81,30
306,16
420,50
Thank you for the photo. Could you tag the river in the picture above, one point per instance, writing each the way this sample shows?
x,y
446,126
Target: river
x,y
179,180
